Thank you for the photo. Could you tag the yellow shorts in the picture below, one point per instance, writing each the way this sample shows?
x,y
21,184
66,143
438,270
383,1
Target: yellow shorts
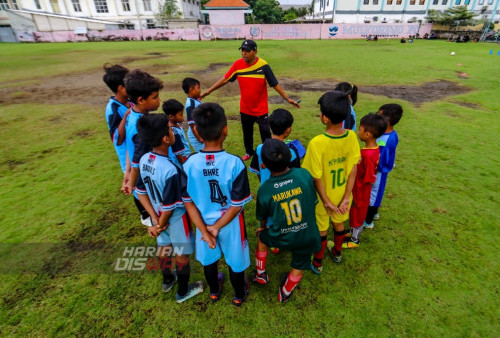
x,y
323,220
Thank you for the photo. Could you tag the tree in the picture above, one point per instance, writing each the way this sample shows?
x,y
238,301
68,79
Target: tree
x,y
267,11
459,16
293,13
167,10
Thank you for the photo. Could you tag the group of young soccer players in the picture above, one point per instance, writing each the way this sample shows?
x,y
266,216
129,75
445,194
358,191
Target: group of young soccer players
x,y
174,188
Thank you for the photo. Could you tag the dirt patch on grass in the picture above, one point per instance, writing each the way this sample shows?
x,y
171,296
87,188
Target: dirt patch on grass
x,y
213,67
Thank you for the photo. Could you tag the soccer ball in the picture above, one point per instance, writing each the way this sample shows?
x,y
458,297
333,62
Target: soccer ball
x,y
452,53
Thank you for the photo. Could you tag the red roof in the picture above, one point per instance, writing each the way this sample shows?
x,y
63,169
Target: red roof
x,y
226,3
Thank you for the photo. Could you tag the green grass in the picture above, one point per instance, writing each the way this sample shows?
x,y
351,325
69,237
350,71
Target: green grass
x,y
430,267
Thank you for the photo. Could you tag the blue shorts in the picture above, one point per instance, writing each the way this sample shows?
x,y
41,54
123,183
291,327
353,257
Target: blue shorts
x,y
180,235
378,190
197,146
231,241
121,151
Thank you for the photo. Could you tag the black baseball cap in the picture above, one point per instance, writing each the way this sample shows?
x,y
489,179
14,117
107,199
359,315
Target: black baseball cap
x,y
248,45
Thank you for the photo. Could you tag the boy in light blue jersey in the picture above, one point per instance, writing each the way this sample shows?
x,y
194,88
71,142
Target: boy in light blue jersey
x,y
159,190
143,91
192,88
387,144
180,150
116,108
214,194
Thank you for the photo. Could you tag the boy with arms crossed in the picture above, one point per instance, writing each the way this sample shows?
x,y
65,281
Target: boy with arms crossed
x,y
288,197
159,190
216,190
372,126
332,159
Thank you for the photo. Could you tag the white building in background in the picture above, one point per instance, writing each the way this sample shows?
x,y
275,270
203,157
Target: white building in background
x,y
133,14
394,11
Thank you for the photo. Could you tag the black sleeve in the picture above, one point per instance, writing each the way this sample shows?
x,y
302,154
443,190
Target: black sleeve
x,y
140,149
240,190
254,165
172,192
189,110
114,119
140,183
183,179
296,161
178,146
271,79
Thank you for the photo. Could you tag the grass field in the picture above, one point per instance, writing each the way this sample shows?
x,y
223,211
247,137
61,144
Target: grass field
x,y
430,267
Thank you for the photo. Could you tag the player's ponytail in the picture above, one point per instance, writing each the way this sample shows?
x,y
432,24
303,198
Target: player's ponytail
x,y
349,89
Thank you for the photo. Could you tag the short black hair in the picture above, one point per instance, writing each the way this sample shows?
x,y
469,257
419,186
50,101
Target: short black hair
x,y
114,75
349,89
392,111
210,119
140,84
172,107
189,83
374,123
275,155
280,120
152,128
335,105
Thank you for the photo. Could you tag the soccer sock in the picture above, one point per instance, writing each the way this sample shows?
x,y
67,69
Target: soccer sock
x,y
356,232
338,239
183,272
142,211
290,284
166,270
238,282
211,277
318,256
260,261
370,213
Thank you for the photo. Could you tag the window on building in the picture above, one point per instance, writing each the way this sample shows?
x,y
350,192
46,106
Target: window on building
x,y
481,2
490,2
4,4
389,2
366,2
126,5
421,2
375,2
398,2
435,2
412,2
14,3
444,2
457,2
150,24
147,5
467,2
101,6
76,5
37,4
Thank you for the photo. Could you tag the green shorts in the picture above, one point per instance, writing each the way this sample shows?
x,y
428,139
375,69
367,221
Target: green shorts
x,y
301,257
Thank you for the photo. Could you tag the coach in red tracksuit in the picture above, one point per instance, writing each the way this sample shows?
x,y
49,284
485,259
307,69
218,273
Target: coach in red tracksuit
x,y
252,73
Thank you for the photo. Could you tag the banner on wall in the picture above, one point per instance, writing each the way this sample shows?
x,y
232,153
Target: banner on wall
x,y
256,32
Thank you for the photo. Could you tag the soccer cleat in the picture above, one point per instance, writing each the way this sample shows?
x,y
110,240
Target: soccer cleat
x,y
166,287
193,289
146,221
260,278
376,216
337,258
317,269
275,250
369,226
215,296
349,244
282,297
246,157
237,301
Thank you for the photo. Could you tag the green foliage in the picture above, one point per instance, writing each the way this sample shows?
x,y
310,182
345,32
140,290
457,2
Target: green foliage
x,y
267,11
167,10
293,13
430,267
458,16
